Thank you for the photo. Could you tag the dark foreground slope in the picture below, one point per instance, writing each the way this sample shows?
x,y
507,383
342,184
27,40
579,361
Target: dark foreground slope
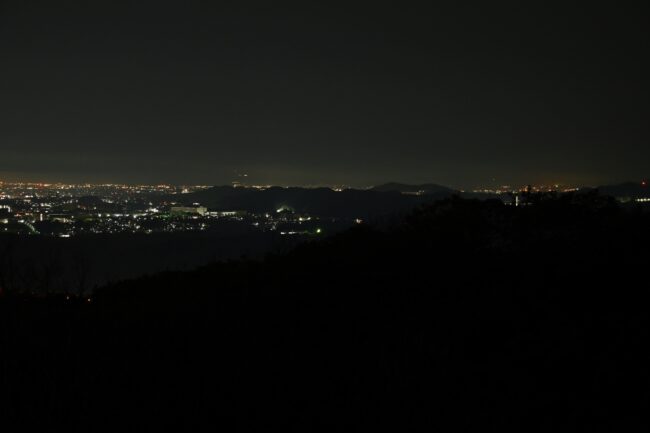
x,y
469,316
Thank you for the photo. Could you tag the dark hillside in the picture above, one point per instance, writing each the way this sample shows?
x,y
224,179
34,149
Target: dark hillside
x,y
349,203
466,316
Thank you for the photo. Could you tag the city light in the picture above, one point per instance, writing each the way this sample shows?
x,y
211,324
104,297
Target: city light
x,y
66,211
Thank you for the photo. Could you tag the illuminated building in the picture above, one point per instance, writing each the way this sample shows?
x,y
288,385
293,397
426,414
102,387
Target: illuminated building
x,y
189,210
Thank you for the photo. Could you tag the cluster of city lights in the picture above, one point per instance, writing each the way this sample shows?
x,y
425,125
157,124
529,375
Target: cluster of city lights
x,y
69,210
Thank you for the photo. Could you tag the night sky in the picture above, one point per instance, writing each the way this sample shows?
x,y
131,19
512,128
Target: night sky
x,y
328,93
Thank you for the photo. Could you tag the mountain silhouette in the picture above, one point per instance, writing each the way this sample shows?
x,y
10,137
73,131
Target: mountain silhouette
x,y
465,315
349,203
428,188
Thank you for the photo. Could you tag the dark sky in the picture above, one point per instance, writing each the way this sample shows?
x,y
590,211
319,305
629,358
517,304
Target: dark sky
x,y
324,93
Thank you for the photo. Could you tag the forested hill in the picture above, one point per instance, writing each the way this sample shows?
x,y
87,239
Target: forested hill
x,y
465,316
348,203
428,188
387,199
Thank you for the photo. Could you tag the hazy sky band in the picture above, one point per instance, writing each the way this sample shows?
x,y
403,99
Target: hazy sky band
x,y
196,93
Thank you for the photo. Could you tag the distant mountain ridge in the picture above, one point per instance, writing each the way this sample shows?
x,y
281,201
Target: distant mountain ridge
x,y
381,200
349,203
428,188
626,189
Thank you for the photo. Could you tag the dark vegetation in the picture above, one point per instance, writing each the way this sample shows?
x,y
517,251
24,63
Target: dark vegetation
x,y
466,316
377,202
45,265
324,202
